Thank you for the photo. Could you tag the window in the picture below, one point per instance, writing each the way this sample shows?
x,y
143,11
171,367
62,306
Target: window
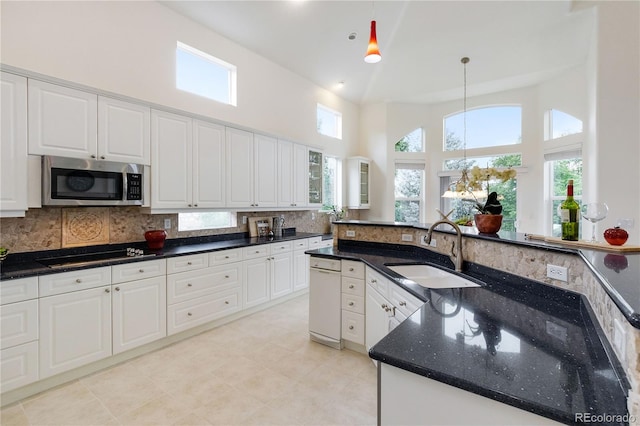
x,y
329,122
205,75
508,160
413,142
332,170
409,190
560,124
486,127
560,170
205,220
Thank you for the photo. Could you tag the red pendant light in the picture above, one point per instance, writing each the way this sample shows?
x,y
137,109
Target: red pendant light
x,y
373,53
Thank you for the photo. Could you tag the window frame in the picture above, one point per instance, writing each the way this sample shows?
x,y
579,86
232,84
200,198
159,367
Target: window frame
x,y
337,185
337,118
411,165
233,222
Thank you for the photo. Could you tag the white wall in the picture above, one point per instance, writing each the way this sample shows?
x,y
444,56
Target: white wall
x,y
128,48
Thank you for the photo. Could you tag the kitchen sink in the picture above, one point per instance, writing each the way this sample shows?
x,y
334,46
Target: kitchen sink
x,y
431,277
89,259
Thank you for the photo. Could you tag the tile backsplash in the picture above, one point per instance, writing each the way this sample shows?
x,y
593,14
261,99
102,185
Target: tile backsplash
x,y
43,229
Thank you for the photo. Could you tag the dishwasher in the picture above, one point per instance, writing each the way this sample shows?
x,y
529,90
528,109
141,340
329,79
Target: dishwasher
x,y
325,309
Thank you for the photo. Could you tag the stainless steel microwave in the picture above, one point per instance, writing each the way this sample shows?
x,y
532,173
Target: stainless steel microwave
x,y
77,182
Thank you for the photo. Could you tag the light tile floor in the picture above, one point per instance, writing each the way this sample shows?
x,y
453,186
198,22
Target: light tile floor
x,y
258,370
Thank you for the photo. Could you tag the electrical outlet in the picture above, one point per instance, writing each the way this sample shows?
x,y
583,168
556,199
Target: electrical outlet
x,y
557,273
244,220
351,233
167,224
407,237
313,216
619,339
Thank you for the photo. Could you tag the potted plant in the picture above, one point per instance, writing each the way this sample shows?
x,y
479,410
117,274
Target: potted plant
x,y
488,218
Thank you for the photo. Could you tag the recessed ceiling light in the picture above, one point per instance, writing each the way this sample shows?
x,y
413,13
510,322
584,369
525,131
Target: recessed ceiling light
x,y
340,85
353,36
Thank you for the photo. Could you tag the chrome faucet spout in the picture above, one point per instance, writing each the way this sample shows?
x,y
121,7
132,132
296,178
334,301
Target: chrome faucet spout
x,y
456,250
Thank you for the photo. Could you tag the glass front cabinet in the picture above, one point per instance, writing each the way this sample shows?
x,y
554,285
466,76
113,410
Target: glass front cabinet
x,y
359,182
315,178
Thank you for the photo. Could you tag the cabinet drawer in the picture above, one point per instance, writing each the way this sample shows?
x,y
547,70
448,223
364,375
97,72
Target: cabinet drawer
x,y
225,256
353,269
403,301
283,247
353,303
18,290
353,286
315,243
18,366
256,251
187,263
301,244
182,316
324,263
377,281
18,323
190,285
326,243
353,327
138,270
65,282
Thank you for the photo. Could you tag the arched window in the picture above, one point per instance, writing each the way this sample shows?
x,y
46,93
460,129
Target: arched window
x,y
560,124
413,142
486,127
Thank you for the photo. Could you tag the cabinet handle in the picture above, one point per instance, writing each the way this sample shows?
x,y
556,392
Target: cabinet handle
x,y
350,269
189,263
102,157
188,205
384,306
195,205
106,290
257,251
351,303
226,302
78,280
93,156
226,277
403,303
350,327
351,286
117,288
141,270
189,285
373,281
226,257
189,314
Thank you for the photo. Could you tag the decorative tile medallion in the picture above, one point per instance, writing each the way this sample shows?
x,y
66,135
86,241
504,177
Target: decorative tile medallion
x,y
84,227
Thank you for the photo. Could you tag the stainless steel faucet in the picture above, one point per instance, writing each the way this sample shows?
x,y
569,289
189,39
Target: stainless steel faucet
x,y
456,249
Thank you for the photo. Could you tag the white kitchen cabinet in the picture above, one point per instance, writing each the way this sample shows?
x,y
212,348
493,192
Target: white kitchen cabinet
x,y
378,315
252,164
209,155
13,146
358,180
300,264
62,121
138,270
139,312
18,366
75,329
187,263
257,282
124,131
18,323
315,172
185,315
65,282
353,301
281,274
18,290
292,174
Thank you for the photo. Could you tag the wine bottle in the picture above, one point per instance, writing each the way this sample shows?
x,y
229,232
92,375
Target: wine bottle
x,y
569,215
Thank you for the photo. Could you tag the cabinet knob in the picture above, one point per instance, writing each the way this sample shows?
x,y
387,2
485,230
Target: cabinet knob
x,y
195,205
78,280
351,303
352,286
373,280
226,257
189,285
102,157
226,302
93,156
106,290
189,263
188,205
384,306
117,288
141,270
350,327
350,269
189,314
226,276
403,303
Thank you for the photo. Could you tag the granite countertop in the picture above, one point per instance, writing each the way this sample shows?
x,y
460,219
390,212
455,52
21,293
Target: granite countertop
x,y
517,341
21,265
618,272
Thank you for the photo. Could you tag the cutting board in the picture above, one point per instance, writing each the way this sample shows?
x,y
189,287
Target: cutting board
x,y
585,244
253,227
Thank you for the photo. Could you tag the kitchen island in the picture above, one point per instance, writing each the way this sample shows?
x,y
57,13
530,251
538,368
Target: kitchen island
x,y
513,340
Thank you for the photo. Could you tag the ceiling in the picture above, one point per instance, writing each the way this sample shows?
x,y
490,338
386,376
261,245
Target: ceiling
x,y
511,43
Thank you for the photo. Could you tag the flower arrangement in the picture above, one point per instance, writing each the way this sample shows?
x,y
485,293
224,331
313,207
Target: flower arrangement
x,y
479,179
337,212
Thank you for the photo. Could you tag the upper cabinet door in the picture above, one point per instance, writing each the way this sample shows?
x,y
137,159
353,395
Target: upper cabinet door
x,y
285,174
62,121
239,168
172,161
124,131
208,164
266,171
13,146
300,175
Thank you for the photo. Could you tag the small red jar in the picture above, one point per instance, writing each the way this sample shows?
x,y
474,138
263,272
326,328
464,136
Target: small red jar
x,y
155,238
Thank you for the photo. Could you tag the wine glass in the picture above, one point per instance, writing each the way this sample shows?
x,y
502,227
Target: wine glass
x,y
594,212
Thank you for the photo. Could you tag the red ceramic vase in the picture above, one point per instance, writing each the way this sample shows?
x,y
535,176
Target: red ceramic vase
x,y
155,238
488,223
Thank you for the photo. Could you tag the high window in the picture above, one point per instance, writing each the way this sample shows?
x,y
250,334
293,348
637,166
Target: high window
x,y
413,142
560,124
561,168
329,122
486,127
332,178
205,75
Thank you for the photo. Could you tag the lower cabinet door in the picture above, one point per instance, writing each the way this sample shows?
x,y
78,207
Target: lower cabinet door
x,y
256,282
300,270
353,327
281,274
184,315
75,329
18,366
139,312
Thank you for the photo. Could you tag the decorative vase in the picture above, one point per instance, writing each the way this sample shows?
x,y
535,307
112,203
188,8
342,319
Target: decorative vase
x,y
155,238
488,223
